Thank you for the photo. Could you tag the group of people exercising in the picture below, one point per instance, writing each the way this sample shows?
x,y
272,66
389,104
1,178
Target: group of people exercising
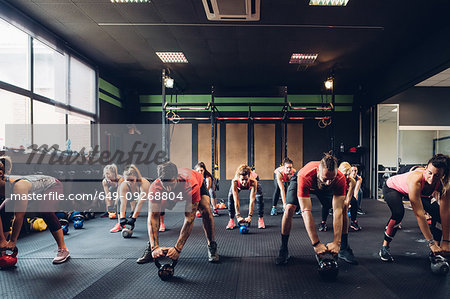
x,y
337,187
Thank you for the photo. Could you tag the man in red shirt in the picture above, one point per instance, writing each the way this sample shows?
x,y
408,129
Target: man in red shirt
x,y
174,185
323,179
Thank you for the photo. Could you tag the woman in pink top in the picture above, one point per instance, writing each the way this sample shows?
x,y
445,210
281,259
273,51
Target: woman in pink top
x,y
419,186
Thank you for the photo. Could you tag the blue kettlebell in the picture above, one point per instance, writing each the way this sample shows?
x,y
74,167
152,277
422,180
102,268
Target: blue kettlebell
x,y
243,228
78,221
72,215
64,225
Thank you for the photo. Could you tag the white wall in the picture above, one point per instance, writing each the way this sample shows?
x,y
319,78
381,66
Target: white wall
x,y
416,147
387,144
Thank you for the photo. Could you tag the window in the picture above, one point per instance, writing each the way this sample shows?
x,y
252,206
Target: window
x,y
82,86
14,121
14,56
79,129
49,125
50,72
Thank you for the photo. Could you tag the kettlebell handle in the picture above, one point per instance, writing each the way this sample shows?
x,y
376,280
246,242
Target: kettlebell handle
x,y
14,253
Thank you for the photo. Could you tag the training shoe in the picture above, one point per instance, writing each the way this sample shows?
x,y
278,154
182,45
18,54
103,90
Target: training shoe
x,y
273,212
213,256
361,212
385,254
283,257
104,215
61,256
347,255
323,227
230,224
216,213
261,223
147,256
162,227
355,226
198,214
330,212
117,228
299,212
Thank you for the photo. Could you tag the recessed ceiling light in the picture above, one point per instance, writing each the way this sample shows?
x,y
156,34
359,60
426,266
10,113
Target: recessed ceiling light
x,y
130,1
328,2
303,58
172,57
394,110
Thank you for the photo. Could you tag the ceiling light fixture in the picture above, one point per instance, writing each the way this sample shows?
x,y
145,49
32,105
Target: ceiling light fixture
x,y
172,57
328,2
297,58
329,83
395,109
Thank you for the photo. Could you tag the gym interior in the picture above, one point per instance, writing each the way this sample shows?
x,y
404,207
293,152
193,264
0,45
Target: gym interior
x,y
254,89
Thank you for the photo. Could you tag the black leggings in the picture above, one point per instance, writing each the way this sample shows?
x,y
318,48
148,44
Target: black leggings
x,y
394,199
353,209
277,191
259,203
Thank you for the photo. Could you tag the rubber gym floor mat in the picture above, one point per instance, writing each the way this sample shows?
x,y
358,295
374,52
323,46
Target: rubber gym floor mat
x,y
39,278
194,278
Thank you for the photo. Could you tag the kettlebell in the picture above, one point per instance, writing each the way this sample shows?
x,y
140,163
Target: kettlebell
x,y
37,224
243,228
166,271
127,231
328,267
8,260
112,215
78,221
439,264
72,215
64,225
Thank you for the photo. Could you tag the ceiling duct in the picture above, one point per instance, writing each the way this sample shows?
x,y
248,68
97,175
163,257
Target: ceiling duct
x,y
232,10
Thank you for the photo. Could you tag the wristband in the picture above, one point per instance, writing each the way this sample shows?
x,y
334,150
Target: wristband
x,y
431,242
238,215
250,215
155,248
446,241
179,251
315,244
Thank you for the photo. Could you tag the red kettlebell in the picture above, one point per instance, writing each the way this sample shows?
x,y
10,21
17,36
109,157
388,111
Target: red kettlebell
x,y
8,260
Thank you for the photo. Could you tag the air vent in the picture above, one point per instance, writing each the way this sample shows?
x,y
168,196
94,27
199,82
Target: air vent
x,y
232,10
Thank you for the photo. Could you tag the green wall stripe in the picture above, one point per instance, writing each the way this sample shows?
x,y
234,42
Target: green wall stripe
x,y
109,87
149,99
110,100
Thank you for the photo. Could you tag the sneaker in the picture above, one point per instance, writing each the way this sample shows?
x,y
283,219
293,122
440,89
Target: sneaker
x,y
330,212
299,212
361,212
162,227
355,226
261,223
273,212
216,213
222,206
323,227
347,255
104,215
198,214
147,256
213,256
61,256
117,228
283,257
230,224
385,255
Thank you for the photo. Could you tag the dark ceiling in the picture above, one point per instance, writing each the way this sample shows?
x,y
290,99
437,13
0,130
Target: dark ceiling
x,y
358,42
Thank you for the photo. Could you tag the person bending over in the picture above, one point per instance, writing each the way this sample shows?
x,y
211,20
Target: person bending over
x,y
422,186
324,180
172,182
245,179
282,178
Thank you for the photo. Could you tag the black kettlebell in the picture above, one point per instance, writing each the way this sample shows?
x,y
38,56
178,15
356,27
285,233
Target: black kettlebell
x,y
328,267
166,271
439,264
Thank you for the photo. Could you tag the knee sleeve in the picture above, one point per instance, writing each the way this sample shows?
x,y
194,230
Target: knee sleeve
x,y
391,229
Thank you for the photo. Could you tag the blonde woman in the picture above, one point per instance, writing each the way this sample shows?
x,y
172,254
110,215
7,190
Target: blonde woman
x,y
110,183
